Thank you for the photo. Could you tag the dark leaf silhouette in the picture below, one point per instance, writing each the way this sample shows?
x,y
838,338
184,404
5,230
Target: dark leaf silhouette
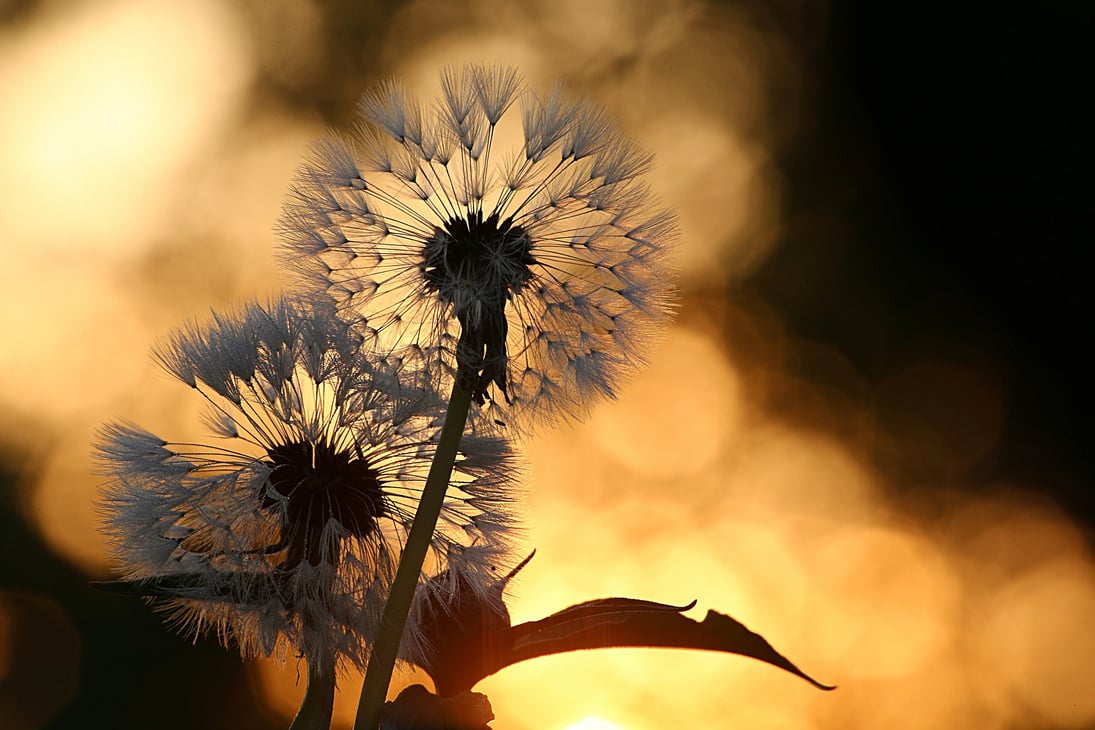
x,y
473,639
625,622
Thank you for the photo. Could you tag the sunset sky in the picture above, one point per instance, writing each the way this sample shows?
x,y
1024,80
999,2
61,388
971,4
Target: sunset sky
x,y
866,436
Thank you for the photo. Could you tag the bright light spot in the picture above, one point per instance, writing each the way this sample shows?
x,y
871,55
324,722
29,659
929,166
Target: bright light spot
x,y
594,723
1034,645
888,597
706,188
102,108
660,429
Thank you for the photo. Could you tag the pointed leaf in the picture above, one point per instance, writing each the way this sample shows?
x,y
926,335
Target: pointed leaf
x,y
466,652
612,624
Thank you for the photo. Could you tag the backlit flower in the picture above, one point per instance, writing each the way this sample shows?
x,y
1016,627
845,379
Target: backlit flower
x,y
522,247
284,534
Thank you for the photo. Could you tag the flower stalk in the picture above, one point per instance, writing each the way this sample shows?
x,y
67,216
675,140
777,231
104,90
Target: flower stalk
x,y
378,674
319,698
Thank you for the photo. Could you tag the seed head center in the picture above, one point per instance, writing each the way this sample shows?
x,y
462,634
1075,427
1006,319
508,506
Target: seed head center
x,y
472,259
313,484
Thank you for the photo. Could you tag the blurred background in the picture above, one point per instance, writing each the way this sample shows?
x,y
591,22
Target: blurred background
x,y
867,436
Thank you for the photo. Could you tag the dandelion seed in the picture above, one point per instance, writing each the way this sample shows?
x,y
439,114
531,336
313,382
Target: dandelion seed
x,y
284,538
540,271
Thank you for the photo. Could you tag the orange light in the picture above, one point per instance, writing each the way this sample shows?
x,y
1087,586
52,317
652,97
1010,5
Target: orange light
x,y
126,119
594,723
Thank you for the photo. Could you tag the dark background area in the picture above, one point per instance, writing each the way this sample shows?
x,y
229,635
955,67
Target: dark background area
x,y
934,190
935,193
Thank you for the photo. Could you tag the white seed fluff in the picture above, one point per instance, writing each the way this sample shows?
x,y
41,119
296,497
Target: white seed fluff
x,y
282,533
520,253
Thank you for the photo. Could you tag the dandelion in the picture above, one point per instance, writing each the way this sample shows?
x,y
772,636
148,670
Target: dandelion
x,y
283,537
539,269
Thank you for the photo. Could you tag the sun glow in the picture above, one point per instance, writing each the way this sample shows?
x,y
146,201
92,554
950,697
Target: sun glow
x,y
139,183
594,723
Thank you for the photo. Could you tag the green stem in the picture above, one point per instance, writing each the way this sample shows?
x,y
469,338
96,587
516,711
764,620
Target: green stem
x,y
378,675
319,699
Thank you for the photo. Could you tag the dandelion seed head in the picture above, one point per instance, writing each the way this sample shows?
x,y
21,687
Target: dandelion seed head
x,y
534,273
282,534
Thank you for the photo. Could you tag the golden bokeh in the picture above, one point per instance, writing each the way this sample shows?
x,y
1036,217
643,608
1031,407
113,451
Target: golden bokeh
x,y
143,172
593,723
104,104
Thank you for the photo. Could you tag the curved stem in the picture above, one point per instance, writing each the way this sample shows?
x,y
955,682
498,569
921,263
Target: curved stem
x,y
319,699
378,675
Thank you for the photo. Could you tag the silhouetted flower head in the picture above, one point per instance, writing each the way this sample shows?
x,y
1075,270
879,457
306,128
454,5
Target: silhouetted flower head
x,y
284,534
523,248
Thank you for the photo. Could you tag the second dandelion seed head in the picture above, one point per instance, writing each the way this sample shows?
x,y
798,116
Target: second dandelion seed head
x,y
314,483
283,533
